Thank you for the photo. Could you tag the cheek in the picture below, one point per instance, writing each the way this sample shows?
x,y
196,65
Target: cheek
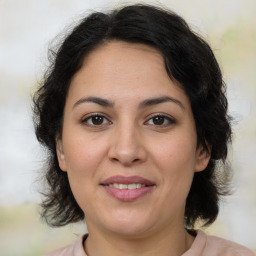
x,y
176,153
83,160
82,154
176,160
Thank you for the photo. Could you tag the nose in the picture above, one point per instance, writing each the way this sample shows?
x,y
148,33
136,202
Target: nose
x,y
127,146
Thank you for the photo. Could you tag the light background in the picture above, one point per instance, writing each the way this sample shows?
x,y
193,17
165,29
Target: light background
x,y
26,29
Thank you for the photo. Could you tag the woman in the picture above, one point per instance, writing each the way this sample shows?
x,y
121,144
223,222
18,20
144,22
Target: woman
x,y
134,114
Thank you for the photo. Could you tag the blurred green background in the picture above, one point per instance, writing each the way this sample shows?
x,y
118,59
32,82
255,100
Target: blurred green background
x,y
27,28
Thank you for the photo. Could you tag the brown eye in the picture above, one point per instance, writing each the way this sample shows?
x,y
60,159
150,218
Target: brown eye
x,y
96,120
160,120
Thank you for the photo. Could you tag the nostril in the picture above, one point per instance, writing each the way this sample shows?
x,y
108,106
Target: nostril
x,y
127,153
125,161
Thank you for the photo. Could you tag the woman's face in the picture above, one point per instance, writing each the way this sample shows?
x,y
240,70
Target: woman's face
x,y
129,142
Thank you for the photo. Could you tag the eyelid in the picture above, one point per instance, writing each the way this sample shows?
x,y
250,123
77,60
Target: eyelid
x,y
91,115
166,116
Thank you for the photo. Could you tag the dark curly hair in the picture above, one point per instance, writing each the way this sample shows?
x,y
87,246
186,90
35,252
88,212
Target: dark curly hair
x,y
188,59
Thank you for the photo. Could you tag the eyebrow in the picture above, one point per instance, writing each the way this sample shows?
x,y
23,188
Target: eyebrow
x,y
143,104
97,100
159,100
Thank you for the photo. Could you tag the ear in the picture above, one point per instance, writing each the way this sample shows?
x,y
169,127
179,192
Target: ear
x,y
61,155
202,158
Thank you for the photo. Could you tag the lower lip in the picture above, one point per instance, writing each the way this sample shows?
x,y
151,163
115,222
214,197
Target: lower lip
x,y
128,195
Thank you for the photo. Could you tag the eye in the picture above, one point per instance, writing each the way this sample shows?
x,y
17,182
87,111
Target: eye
x,y
160,120
96,120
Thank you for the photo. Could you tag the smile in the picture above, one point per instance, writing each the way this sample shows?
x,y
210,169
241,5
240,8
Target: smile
x,y
125,186
127,189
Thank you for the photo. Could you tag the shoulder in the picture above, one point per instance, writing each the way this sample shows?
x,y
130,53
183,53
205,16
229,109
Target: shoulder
x,y
216,246
65,251
75,249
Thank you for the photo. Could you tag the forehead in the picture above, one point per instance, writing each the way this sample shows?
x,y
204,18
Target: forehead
x,y
119,69
123,58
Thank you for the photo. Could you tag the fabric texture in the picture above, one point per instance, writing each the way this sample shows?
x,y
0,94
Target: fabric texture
x,y
203,245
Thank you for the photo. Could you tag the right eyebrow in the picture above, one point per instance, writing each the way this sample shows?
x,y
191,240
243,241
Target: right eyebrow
x,y
97,100
159,100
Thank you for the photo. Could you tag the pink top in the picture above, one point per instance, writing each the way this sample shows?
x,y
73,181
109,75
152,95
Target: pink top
x,y
203,245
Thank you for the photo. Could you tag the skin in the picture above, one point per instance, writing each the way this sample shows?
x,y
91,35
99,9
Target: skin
x,y
128,141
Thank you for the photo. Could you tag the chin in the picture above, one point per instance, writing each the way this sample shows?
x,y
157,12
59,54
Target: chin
x,y
129,225
130,231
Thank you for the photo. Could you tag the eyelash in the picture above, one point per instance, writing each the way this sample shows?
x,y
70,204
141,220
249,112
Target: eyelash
x,y
166,118
85,120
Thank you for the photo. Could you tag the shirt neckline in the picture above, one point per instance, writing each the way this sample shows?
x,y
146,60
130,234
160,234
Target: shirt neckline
x,y
196,249
198,245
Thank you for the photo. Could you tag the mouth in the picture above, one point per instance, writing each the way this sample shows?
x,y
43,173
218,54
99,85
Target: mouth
x,y
127,188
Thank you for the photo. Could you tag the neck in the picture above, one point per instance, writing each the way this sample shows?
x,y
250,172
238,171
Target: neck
x,y
165,243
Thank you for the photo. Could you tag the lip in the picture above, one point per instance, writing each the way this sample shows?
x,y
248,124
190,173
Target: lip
x,y
127,180
127,195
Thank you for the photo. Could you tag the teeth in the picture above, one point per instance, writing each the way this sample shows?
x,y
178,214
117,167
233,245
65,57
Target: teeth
x,y
125,186
132,186
115,185
139,185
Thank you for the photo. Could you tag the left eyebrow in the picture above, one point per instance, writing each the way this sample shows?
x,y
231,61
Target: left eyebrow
x,y
96,100
159,100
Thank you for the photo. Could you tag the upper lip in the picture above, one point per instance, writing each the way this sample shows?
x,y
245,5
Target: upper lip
x,y
127,180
